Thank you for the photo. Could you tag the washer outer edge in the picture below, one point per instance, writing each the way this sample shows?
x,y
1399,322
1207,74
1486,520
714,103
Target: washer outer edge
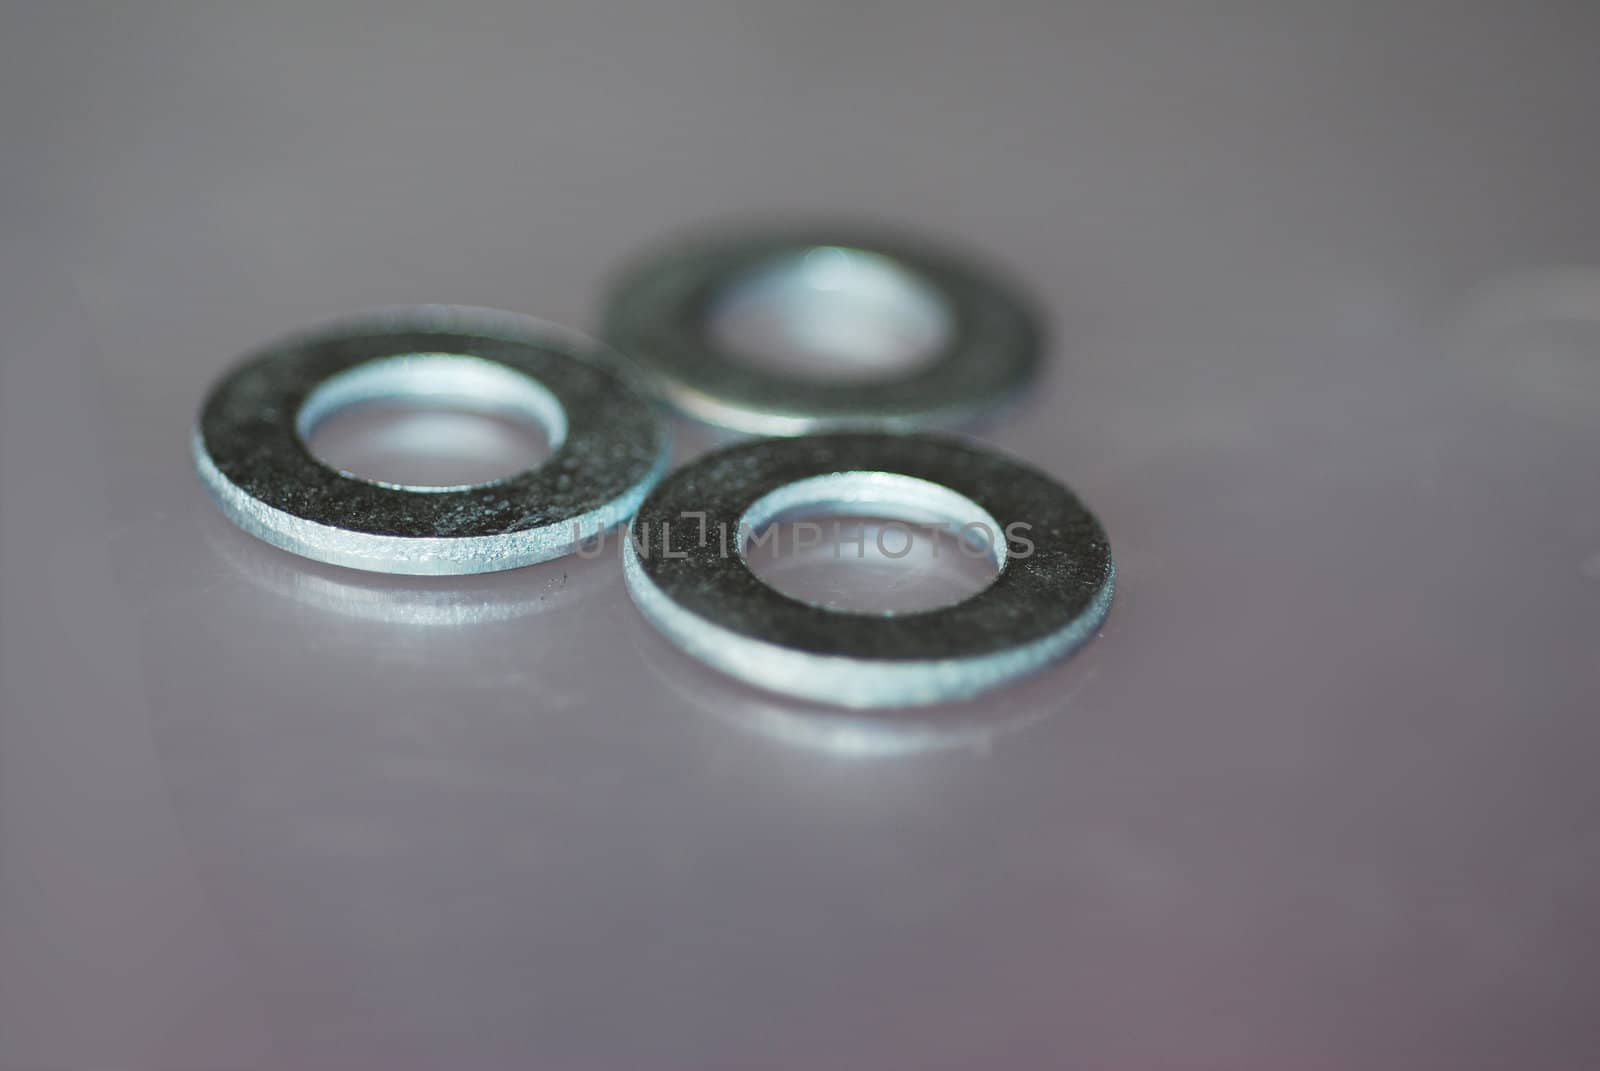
x,y
851,682
414,555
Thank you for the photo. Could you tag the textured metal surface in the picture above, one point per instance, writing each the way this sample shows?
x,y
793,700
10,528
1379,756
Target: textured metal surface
x,y
659,312
1047,599
250,444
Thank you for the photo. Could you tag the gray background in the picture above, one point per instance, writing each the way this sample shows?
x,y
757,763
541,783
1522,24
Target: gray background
x,y
1325,282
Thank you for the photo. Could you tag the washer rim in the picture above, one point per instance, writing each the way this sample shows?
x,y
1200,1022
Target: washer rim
x,y
256,466
1040,607
657,316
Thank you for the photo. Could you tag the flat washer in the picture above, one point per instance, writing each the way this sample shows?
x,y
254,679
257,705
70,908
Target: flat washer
x,y
250,447
660,315
703,595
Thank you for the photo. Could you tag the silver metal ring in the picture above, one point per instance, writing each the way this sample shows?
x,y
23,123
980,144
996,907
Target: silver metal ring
x,y
250,442
982,346
685,568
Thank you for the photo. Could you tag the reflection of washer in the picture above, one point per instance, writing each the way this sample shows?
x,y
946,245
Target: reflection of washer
x,y
703,595
986,348
424,604
250,444
858,735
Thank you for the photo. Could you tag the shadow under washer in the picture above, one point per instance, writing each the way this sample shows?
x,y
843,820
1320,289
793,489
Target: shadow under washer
x,y
250,443
1048,598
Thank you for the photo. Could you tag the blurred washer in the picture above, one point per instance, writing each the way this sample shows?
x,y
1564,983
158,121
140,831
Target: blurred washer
x,y
884,333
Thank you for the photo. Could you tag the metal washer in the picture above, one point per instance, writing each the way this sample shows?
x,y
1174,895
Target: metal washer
x,y
250,450
659,313
706,599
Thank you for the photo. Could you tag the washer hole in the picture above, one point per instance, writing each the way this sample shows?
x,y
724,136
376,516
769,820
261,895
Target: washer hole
x,y
872,543
831,314
432,422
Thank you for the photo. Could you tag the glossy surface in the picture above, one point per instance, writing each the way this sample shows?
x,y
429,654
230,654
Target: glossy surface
x,y
1321,797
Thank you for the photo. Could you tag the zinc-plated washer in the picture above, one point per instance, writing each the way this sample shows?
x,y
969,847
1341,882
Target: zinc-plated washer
x,y
250,447
703,595
660,314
